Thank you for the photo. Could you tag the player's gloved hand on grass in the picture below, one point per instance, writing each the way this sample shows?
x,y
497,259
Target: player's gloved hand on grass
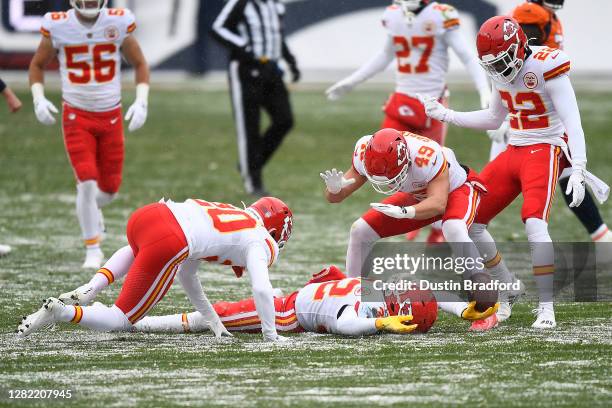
x,y
396,324
433,108
218,328
575,186
137,114
339,89
394,211
470,312
335,181
499,135
44,110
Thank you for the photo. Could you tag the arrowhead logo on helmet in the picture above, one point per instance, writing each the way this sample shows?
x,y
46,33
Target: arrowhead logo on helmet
x,y
510,29
387,161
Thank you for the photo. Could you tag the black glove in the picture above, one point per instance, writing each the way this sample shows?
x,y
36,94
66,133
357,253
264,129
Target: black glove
x,y
295,73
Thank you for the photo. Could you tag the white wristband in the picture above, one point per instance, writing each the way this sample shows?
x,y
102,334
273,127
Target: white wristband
x,y
38,91
142,92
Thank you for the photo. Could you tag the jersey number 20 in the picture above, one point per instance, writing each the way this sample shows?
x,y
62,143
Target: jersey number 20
x,y
82,72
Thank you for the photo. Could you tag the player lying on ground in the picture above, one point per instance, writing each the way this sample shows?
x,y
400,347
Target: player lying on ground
x,y
541,25
168,239
426,184
419,35
89,40
329,303
545,137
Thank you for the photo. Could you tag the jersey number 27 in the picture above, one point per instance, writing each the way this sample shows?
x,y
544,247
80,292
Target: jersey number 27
x,y
403,50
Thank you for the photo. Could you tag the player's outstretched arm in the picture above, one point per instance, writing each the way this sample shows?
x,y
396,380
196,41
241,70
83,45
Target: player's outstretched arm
x,y
432,206
137,113
376,64
485,119
564,99
257,267
43,108
350,324
339,186
188,277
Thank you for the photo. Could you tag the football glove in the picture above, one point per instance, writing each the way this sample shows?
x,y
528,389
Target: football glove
x,y
433,108
470,312
575,186
396,324
394,211
216,326
137,115
339,89
499,135
335,181
44,110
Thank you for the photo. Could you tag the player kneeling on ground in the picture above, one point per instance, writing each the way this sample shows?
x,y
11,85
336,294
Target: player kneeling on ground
x,y
329,303
426,184
168,239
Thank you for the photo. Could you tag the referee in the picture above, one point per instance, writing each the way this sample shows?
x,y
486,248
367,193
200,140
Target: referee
x,y
252,31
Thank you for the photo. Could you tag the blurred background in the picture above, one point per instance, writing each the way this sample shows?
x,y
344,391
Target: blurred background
x,y
329,38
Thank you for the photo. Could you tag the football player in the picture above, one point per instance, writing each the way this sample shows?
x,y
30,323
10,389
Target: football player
x,y
543,28
168,239
89,41
14,104
531,85
329,303
419,34
426,184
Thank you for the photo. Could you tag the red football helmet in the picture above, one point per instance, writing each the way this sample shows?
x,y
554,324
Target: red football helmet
x,y
387,161
276,217
501,44
421,304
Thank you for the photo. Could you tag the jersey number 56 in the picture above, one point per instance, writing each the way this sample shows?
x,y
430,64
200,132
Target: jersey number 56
x,y
82,72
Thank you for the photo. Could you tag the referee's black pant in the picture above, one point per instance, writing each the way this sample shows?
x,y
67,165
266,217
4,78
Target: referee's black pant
x,y
255,86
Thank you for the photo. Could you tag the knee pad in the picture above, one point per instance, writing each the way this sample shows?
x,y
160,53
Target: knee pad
x,y
455,231
362,232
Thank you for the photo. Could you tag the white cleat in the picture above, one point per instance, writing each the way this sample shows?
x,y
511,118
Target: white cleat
x,y
81,296
507,299
545,318
46,316
4,250
93,259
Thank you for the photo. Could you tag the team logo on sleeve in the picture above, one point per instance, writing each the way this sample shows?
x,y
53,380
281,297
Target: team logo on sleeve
x,y
111,33
531,80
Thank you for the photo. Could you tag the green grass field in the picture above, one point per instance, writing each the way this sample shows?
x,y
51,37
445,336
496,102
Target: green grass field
x,y
187,149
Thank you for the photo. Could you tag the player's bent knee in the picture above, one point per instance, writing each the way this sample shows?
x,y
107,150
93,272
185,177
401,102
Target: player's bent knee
x,y
455,231
361,231
537,230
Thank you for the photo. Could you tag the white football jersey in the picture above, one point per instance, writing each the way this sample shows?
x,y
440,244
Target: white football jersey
x,y
221,233
317,305
533,118
90,57
421,51
428,160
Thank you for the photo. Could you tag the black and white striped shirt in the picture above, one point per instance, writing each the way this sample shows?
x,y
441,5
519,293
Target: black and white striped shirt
x,y
253,27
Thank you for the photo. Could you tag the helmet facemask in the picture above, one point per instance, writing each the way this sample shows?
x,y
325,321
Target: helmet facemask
x,y
503,67
88,8
388,186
